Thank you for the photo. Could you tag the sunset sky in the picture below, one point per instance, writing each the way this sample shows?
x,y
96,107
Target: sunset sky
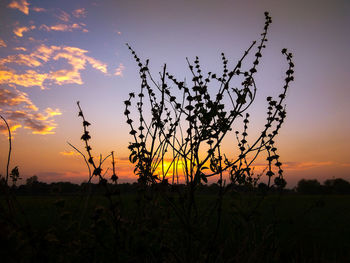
x,y
54,53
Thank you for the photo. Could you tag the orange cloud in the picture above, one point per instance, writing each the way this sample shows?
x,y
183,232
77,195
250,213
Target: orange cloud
x,y
30,78
76,58
13,128
65,27
65,76
18,31
69,153
63,16
2,43
44,52
50,112
21,59
21,5
119,70
81,12
97,64
38,9
305,165
14,98
39,127
20,48
19,110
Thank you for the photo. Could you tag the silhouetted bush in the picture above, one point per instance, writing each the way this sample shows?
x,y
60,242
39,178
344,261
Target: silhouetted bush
x,y
330,186
337,186
309,187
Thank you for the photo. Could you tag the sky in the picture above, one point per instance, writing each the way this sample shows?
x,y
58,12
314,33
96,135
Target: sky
x,y
55,53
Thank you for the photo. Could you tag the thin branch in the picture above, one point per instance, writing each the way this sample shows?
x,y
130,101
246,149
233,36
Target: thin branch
x,y
10,148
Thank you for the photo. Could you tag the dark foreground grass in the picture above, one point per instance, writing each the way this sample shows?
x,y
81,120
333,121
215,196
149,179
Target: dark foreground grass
x,y
292,228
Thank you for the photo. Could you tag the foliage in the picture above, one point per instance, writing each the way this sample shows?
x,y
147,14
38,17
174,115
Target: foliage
x,y
308,186
330,186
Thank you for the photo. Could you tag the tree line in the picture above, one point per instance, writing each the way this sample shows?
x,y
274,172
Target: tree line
x,y
304,186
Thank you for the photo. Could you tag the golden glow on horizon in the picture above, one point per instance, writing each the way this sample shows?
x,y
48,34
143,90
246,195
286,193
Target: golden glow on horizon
x,y
166,169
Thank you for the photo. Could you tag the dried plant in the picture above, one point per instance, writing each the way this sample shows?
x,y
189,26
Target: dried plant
x,y
97,169
10,148
185,124
191,122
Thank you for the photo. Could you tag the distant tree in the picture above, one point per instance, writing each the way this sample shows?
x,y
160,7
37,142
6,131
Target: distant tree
x,y
32,180
337,186
309,187
34,186
14,175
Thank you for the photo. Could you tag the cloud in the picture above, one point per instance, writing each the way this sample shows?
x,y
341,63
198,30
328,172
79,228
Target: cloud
x,y
77,59
81,12
119,70
2,43
29,78
21,5
21,59
97,64
18,31
20,111
13,128
20,48
10,98
50,112
305,165
63,16
40,60
69,153
38,9
65,27
71,176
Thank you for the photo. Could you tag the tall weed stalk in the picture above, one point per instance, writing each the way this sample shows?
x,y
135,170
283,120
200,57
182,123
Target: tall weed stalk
x,y
178,130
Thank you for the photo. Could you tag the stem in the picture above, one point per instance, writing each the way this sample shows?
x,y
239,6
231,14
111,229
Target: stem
x,y
10,148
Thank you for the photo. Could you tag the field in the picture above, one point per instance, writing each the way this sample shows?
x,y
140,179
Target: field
x,y
288,227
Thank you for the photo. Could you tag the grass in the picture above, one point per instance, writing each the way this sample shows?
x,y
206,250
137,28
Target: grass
x,y
303,223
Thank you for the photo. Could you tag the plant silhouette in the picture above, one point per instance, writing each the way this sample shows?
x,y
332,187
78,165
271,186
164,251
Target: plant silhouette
x,y
178,129
191,125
